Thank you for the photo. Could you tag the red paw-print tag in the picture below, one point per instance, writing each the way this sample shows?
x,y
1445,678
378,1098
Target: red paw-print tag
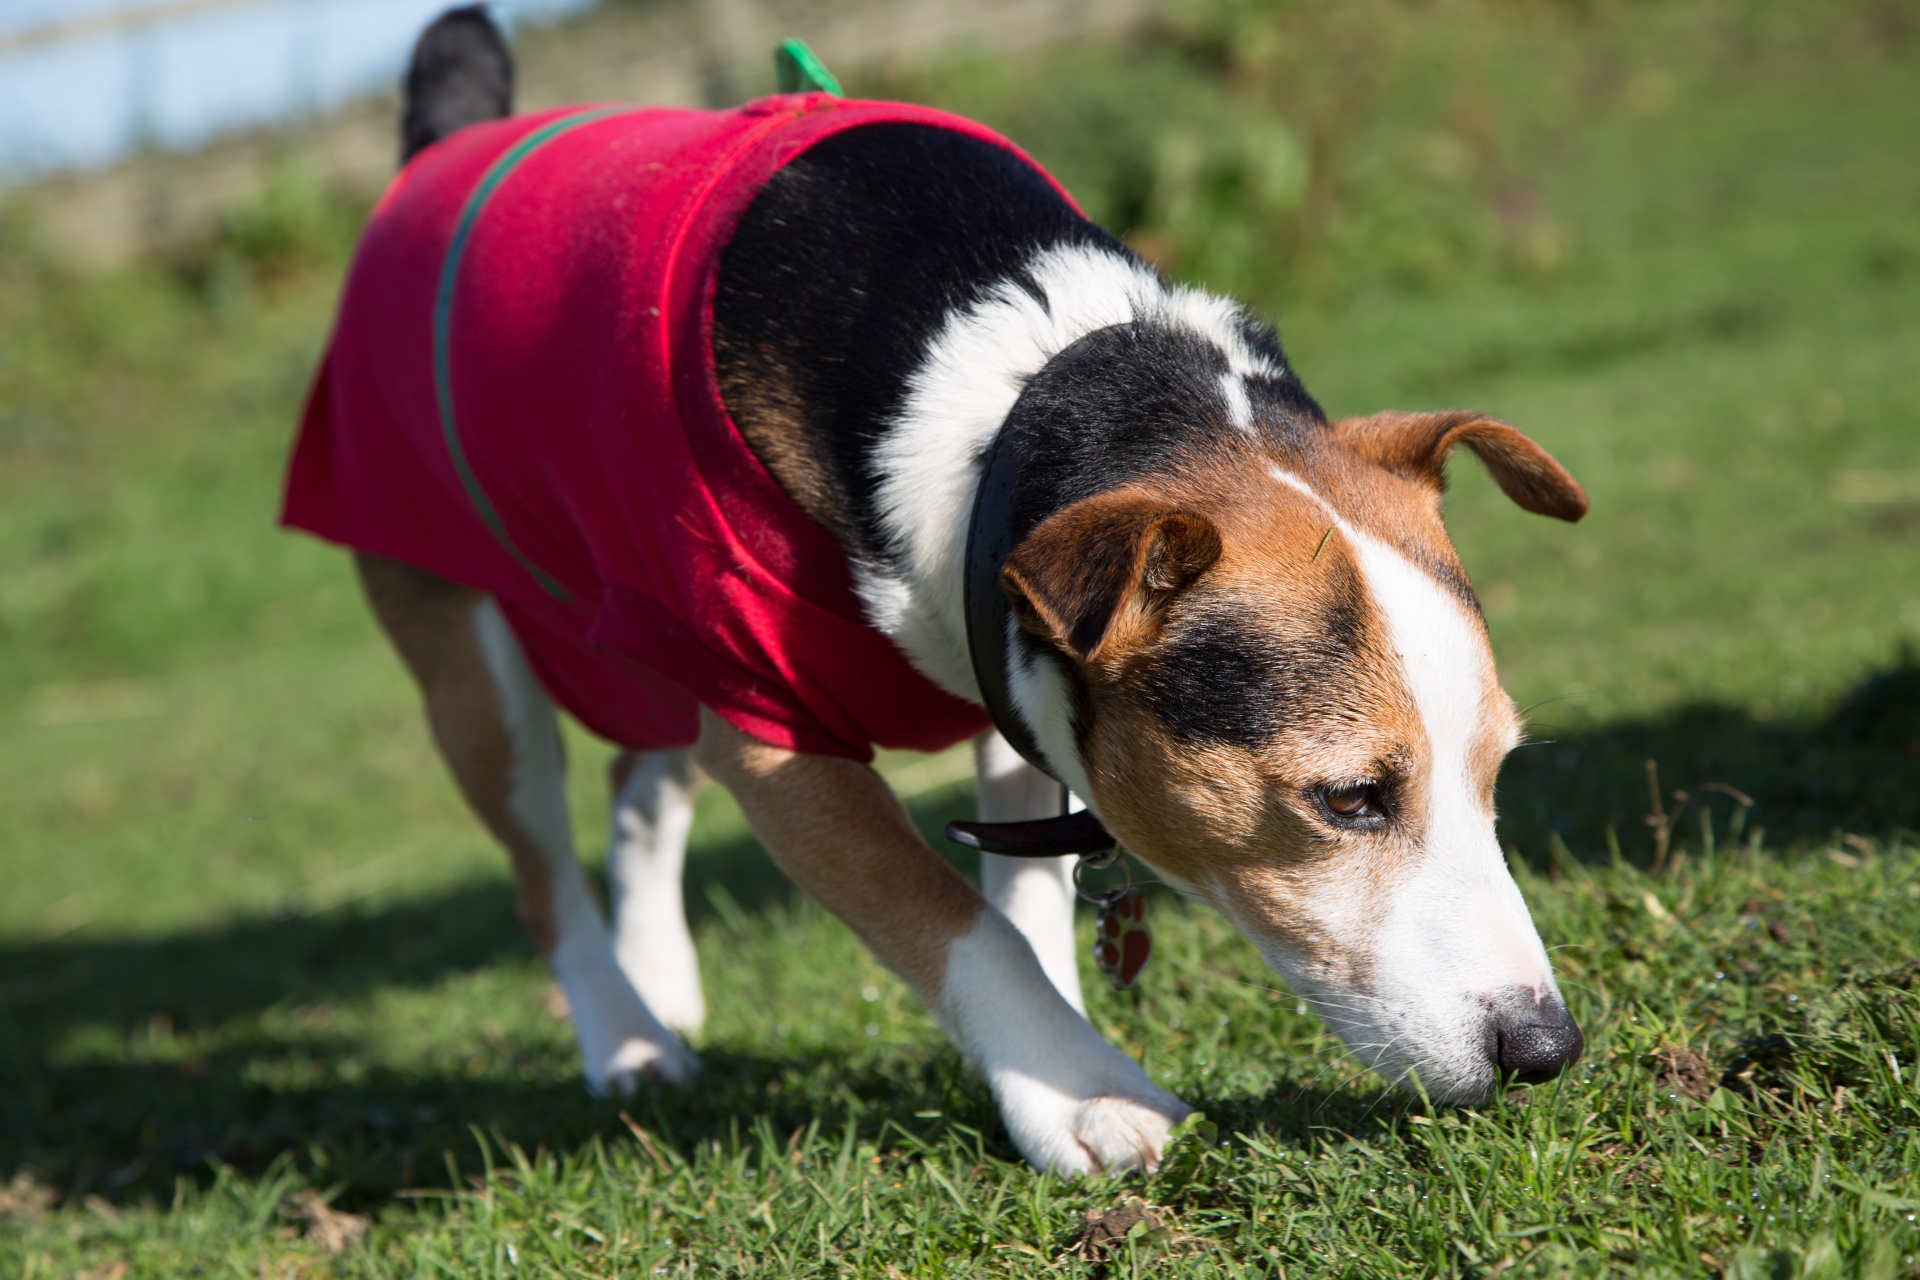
x,y
1121,943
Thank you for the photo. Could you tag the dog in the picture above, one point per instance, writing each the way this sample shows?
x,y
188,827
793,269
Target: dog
x,y
754,438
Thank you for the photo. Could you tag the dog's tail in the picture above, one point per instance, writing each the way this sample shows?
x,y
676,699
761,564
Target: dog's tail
x,y
461,74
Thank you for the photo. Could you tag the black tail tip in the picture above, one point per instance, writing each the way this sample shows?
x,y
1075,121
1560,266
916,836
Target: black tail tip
x,y
461,74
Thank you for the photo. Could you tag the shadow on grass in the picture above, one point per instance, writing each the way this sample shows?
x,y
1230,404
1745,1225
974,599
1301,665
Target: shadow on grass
x,y
127,1134
242,966
1854,769
111,1124
123,1118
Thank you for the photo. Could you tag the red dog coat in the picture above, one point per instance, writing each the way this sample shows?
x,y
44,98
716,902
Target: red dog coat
x,y
520,396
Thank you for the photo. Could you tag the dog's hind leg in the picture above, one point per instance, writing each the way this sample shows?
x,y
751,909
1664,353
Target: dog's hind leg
x,y
498,732
1036,894
652,812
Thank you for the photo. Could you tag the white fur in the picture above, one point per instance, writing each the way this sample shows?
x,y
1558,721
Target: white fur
x,y
1219,321
1044,699
1298,485
1458,932
1072,1102
1233,388
652,816
620,1039
974,371
1036,894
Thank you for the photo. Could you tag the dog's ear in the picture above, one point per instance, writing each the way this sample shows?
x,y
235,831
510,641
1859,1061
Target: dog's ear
x,y
1097,576
1416,445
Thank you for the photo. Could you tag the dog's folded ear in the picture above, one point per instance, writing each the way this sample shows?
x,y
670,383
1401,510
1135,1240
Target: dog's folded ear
x,y
1416,445
1096,577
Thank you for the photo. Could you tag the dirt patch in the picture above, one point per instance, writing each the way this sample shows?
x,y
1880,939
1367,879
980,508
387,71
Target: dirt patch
x,y
330,1228
1101,1233
1104,1233
1680,1071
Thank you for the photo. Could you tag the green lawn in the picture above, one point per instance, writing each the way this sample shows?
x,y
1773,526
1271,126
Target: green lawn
x,y
252,948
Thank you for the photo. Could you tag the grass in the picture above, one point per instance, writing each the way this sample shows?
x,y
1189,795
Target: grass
x,y
252,948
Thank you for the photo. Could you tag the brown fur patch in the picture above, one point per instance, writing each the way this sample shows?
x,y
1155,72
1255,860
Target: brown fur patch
x,y
758,387
1416,445
1239,823
1500,731
1101,572
1400,511
431,624
839,832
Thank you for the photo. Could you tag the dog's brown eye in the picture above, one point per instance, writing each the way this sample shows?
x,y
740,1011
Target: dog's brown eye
x,y
1360,800
1348,802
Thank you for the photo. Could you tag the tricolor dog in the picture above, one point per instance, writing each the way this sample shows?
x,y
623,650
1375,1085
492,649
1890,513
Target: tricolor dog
x,y
706,426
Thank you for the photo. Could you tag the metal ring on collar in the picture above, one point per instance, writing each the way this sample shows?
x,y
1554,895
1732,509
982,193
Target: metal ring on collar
x,y
1100,862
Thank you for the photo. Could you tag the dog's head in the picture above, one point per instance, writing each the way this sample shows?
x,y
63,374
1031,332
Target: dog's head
x,y
1282,698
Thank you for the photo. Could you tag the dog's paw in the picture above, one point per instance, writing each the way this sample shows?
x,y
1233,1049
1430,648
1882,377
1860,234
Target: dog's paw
x,y
1105,1133
667,976
621,1041
637,1060
1125,1133
684,1011
1073,1103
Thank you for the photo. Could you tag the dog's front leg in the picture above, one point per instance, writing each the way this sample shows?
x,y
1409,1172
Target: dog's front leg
x,y
1072,1102
1037,894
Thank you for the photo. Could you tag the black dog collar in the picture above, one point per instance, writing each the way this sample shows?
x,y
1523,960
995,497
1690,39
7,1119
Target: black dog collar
x,y
989,542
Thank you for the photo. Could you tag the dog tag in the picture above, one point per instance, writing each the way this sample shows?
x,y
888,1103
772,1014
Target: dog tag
x,y
1121,943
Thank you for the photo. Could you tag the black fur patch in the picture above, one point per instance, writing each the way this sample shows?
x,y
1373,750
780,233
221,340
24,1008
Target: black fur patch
x,y
1136,400
849,261
1222,680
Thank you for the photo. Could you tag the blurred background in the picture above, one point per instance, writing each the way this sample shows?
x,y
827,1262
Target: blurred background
x,y
1678,241
83,82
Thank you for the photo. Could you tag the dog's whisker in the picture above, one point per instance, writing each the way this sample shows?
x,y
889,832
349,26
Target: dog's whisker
x,y
1392,1088
1352,1053
1346,1054
1575,696
1323,1006
1333,1092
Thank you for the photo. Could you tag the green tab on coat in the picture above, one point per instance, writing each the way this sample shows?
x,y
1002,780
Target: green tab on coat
x,y
797,69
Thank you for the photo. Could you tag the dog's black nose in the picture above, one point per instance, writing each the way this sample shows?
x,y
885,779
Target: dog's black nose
x,y
1535,1040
